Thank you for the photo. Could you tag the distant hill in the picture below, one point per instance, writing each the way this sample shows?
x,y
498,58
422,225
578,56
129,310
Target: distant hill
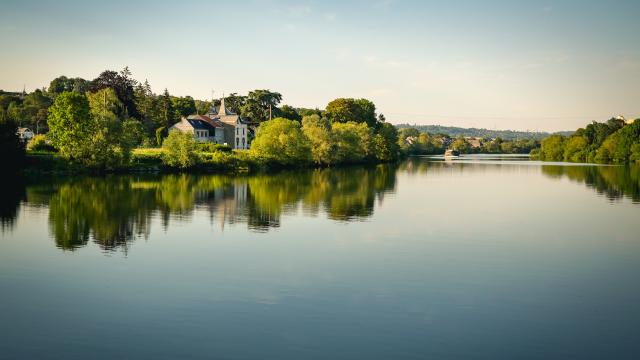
x,y
483,133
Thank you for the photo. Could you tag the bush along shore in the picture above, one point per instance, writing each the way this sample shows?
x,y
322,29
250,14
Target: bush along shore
x,y
279,144
615,141
114,123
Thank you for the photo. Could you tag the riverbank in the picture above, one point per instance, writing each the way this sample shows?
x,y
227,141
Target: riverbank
x,y
150,160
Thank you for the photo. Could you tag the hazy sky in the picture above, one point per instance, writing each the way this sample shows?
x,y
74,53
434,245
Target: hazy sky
x,y
551,65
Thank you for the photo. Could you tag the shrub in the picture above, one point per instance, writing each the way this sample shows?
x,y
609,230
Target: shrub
x,y
211,147
180,150
40,143
11,147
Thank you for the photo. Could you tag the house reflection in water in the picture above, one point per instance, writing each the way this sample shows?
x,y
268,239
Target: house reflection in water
x,y
116,210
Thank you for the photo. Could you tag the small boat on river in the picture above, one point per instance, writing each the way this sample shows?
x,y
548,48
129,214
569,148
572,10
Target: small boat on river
x,y
451,153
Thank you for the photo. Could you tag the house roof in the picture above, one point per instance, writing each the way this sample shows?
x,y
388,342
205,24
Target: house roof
x,y
197,124
213,122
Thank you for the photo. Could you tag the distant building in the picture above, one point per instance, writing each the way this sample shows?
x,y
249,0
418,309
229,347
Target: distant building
x,y
236,129
202,130
475,143
25,134
219,125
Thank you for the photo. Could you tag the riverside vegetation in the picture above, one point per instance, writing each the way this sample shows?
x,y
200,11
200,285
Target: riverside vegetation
x,y
115,123
610,142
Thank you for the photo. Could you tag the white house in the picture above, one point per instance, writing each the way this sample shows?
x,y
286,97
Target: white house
x,y
202,130
25,134
236,129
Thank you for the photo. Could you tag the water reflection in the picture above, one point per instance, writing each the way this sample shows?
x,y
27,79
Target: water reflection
x,y
115,210
614,182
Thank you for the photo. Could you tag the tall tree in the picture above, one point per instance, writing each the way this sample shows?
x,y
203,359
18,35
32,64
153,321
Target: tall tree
x,y
123,85
352,110
70,124
11,147
259,104
183,106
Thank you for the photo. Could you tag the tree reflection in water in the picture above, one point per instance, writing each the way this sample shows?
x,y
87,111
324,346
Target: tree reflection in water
x,y
114,211
614,182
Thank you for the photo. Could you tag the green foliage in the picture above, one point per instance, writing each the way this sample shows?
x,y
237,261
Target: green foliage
x,y
352,110
385,143
88,131
64,84
70,125
460,144
352,142
39,143
576,149
257,104
212,148
609,142
11,147
161,133
123,85
281,141
552,148
480,133
288,112
180,150
183,106
318,131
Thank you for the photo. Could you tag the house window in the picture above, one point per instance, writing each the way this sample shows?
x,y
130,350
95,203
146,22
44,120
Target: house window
x,y
237,142
242,131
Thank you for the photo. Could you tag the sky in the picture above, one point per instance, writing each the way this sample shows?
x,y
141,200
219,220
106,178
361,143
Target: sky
x,y
522,65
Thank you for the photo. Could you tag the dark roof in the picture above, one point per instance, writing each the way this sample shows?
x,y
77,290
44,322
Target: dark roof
x,y
213,122
200,124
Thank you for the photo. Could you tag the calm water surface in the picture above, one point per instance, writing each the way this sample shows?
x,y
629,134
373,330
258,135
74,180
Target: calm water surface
x,y
478,258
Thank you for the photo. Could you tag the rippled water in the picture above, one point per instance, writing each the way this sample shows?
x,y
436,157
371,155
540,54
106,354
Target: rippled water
x,y
479,257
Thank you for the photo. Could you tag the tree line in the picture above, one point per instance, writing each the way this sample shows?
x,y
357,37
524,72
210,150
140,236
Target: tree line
x,y
98,123
412,141
611,142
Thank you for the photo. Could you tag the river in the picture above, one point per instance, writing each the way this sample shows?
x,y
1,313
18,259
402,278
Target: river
x,y
480,257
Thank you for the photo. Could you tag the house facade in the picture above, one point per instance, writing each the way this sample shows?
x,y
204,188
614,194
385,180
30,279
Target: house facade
x,y
25,134
236,129
219,125
202,130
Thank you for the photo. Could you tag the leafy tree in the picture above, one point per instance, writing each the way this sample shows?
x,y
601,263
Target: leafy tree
x,y
352,110
167,113
385,143
180,150
64,84
203,106
161,133
288,112
308,112
70,124
147,105
281,141
460,144
39,143
552,148
123,85
576,149
234,103
183,106
259,103
318,131
104,104
11,147
352,141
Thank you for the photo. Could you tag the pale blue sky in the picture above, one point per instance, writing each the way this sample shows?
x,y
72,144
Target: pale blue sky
x,y
545,65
